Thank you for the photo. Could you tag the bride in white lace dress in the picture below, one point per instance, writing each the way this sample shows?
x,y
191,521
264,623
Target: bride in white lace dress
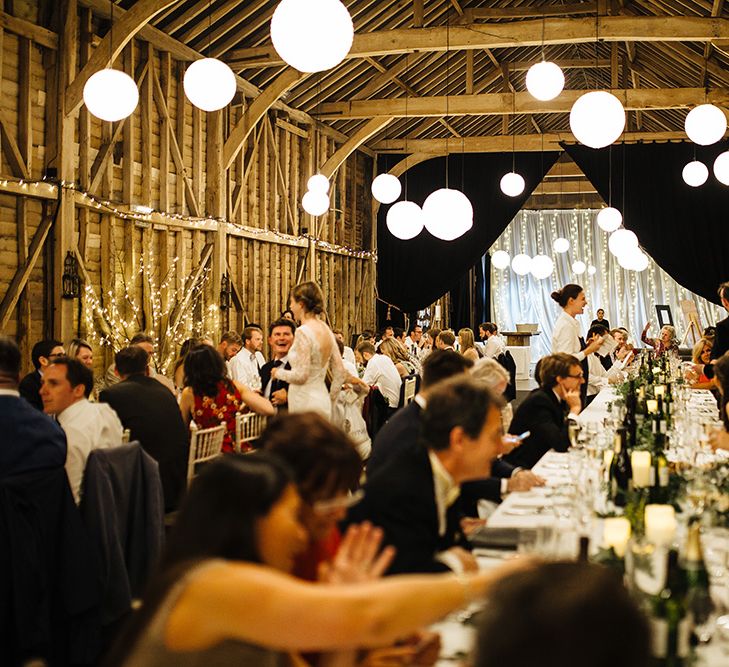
x,y
313,352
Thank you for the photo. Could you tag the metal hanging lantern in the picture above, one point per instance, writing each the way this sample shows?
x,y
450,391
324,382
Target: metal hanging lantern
x,y
225,292
71,280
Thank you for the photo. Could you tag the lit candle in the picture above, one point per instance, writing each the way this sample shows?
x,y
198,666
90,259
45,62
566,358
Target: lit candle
x,y
659,390
641,393
640,461
660,524
616,533
607,457
652,405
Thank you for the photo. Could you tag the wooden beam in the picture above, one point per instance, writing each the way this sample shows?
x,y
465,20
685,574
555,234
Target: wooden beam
x,y
566,63
511,35
517,103
502,144
418,13
563,201
103,157
39,35
107,52
255,111
368,130
491,13
11,149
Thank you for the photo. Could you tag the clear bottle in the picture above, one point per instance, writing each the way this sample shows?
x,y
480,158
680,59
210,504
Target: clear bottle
x,y
699,600
670,619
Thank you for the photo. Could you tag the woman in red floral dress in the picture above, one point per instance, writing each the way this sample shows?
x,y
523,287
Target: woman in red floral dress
x,y
210,397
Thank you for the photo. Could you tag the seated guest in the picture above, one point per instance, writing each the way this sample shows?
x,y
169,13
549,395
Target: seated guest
x,y
210,397
495,377
65,391
446,340
280,339
379,372
399,356
702,357
348,354
600,320
414,496
30,439
599,377
245,367
557,614
230,344
225,596
79,349
146,342
178,374
467,345
720,437
43,353
153,418
666,341
495,345
544,412
415,341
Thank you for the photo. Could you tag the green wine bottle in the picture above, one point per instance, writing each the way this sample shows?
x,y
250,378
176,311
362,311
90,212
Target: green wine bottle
x,y
697,578
670,619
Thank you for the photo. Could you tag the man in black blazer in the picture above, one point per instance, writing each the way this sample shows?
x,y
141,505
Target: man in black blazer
x,y
29,439
721,337
150,412
547,410
413,497
42,354
280,338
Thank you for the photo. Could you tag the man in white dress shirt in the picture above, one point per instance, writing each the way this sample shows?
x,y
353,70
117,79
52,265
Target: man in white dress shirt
x,y
348,354
246,366
66,386
380,371
493,343
599,378
414,342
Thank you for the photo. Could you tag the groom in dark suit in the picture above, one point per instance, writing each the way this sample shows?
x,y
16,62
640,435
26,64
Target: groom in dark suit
x,y
280,338
414,496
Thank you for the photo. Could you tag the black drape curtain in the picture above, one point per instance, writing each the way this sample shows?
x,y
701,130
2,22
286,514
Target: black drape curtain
x,y
413,274
684,229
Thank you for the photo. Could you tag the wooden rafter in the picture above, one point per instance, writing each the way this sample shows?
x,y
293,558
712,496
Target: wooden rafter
x,y
368,130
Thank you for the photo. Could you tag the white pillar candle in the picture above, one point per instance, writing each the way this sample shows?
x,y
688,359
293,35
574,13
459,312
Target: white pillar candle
x,y
652,405
640,461
659,390
616,533
641,393
660,524
607,457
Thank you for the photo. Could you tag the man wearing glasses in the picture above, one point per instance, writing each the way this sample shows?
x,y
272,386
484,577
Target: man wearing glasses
x,y
43,353
546,412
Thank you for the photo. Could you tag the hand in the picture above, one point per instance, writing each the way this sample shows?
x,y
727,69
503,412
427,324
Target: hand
x,y
509,443
719,439
466,558
647,327
280,397
357,558
274,373
594,346
471,525
525,480
573,400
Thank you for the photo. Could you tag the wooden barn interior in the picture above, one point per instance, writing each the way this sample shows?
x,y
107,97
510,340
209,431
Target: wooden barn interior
x,y
179,221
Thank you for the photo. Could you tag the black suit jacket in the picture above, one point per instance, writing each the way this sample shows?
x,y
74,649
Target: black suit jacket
x,y
150,412
266,376
400,499
720,346
29,387
544,415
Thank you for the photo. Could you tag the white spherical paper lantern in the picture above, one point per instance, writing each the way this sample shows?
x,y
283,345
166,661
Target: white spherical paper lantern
x,y
111,94
705,124
579,267
447,214
312,36
597,119
500,259
405,220
512,184
315,203
721,168
621,241
695,173
209,84
560,245
521,264
386,188
591,270
641,263
633,259
545,80
542,267
609,219
318,183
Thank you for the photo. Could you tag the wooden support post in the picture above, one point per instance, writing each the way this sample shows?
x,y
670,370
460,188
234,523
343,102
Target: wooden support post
x,y
216,196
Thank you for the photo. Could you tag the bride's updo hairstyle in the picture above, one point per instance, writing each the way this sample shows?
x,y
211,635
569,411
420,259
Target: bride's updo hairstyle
x,y
570,291
309,295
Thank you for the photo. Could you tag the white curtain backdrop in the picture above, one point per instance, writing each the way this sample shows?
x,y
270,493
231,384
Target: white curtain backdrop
x,y
628,297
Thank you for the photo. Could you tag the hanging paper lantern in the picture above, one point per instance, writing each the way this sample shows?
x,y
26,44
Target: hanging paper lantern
x,y
721,168
315,203
695,173
318,183
609,219
545,80
312,36
521,264
561,245
209,84
386,188
111,95
447,214
405,220
591,270
579,267
542,267
705,124
621,241
512,184
500,259
597,119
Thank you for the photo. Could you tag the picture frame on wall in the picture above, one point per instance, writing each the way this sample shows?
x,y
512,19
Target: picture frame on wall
x,y
663,313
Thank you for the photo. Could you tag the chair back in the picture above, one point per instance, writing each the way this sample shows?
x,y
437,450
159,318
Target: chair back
x,y
205,444
409,389
248,427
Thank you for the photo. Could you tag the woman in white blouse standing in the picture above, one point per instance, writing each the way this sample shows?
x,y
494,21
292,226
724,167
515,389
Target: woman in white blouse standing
x,y
567,335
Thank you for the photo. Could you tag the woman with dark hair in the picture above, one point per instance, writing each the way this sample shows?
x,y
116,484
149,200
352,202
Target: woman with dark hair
x,y
556,615
178,372
314,352
224,595
210,397
288,314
